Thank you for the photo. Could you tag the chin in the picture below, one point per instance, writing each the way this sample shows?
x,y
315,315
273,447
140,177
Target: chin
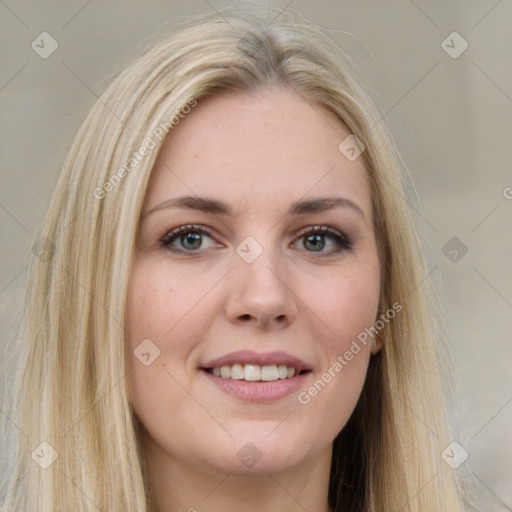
x,y
262,454
259,463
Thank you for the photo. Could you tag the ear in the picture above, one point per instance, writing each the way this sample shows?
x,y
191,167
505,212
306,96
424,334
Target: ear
x,y
376,344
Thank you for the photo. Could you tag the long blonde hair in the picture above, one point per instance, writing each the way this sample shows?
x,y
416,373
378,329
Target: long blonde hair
x,y
72,392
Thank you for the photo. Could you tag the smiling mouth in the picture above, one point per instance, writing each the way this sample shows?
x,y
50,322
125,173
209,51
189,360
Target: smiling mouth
x,y
255,372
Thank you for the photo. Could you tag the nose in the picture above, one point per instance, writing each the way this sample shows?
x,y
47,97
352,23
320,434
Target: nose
x,y
261,293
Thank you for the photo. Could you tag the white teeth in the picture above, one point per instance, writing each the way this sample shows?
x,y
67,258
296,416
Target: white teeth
x,y
252,372
269,372
255,372
282,371
237,372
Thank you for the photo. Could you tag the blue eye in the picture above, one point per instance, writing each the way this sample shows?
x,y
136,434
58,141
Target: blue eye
x,y
316,239
190,238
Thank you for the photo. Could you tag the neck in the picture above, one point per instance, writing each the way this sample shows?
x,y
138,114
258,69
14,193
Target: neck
x,y
177,486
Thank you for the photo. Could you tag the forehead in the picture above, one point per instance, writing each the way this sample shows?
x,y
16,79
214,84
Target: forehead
x,y
261,150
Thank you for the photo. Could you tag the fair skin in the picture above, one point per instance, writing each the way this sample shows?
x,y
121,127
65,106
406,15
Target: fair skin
x,y
258,154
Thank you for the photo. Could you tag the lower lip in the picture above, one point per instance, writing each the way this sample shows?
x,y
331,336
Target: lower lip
x,y
258,391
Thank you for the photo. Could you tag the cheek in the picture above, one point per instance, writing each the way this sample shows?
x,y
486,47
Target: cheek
x,y
346,305
165,315
149,293
147,320
160,300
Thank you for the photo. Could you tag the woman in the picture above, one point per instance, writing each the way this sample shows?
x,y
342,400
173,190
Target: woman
x,y
231,311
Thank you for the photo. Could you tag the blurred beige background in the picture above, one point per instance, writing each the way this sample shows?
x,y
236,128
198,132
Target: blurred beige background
x,y
451,115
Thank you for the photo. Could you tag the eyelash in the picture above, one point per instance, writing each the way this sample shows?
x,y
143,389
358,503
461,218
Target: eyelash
x,y
341,241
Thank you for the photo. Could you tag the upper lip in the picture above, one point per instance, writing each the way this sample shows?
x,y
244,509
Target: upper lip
x,y
259,358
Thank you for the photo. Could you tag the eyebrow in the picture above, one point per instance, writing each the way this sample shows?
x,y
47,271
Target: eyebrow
x,y
216,207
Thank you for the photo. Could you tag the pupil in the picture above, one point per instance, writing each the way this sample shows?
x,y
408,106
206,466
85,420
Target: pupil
x,y
316,242
193,239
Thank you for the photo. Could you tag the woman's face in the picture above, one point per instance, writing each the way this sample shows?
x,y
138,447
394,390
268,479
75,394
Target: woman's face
x,y
256,254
